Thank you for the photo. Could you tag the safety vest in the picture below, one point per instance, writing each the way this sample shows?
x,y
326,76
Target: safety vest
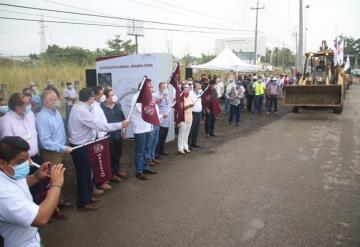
x,y
259,88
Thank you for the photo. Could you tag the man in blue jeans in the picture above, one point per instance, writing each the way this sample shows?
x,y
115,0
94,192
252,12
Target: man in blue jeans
x,y
259,90
142,133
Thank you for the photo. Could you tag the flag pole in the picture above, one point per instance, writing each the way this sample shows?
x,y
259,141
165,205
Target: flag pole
x,y
168,81
133,106
88,143
198,97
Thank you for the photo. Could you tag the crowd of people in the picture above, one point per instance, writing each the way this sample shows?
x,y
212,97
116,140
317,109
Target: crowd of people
x,y
33,131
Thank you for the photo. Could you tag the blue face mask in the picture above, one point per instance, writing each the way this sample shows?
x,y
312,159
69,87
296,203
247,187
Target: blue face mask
x,y
28,108
4,109
21,170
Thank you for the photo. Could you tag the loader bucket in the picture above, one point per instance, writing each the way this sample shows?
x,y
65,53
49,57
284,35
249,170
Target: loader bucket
x,y
313,95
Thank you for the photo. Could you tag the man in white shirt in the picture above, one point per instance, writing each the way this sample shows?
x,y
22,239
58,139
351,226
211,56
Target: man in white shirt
x,y
98,112
70,96
20,121
195,96
82,129
19,215
142,133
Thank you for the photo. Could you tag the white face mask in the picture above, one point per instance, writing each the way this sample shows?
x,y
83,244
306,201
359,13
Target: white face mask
x,y
114,98
102,98
165,91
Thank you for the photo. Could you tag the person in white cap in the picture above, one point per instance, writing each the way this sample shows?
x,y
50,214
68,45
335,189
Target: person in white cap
x,y
259,90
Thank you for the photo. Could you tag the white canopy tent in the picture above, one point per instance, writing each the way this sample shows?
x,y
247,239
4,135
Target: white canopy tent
x,y
227,60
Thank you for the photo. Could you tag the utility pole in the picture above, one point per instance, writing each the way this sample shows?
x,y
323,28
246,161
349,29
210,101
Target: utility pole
x,y
135,28
301,38
42,35
296,48
256,28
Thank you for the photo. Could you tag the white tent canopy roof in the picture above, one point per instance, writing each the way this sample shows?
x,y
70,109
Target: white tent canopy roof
x,y
227,60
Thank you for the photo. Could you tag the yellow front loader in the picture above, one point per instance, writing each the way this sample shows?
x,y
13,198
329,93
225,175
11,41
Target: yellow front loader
x,y
321,85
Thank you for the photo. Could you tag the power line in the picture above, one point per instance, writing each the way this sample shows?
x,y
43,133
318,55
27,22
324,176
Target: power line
x,y
196,12
123,18
109,25
50,16
146,4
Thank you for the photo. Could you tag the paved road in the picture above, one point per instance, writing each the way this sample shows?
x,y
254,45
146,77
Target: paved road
x,y
292,181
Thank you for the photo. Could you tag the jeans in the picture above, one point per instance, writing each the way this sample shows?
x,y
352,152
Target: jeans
x,y
273,100
226,104
258,103
84,184
183,136
142,147
154,141
160,147
194,131
209,124
234,112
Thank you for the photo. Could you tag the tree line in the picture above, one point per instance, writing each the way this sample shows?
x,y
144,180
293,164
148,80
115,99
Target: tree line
x,y
54,54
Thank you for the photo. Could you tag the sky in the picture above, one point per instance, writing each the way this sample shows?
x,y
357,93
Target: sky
x,y
278,22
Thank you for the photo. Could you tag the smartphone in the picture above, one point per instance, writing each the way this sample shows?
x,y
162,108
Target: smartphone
x,y
50,166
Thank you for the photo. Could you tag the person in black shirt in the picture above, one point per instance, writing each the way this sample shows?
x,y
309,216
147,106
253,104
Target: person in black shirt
x,y
113,114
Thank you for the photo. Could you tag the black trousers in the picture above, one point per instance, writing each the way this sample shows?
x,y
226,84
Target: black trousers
x,y
209,123
115,154
195,126
84,184
160,147
249,103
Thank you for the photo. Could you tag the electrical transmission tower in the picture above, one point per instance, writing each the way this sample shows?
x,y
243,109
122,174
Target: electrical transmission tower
x,y
42,35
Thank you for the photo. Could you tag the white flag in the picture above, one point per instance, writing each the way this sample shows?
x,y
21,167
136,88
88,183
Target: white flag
x,y
347,64
338,51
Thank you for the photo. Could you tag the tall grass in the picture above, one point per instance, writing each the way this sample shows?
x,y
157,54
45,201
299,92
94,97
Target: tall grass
x,y
19,76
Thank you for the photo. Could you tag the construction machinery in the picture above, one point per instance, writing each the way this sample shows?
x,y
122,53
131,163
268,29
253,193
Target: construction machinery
x,y
321,85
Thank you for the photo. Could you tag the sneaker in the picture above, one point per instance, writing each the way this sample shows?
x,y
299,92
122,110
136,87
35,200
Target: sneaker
x,y
230,123
187,150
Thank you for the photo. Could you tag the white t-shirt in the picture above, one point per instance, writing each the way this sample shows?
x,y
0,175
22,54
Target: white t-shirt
x,y
17,212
